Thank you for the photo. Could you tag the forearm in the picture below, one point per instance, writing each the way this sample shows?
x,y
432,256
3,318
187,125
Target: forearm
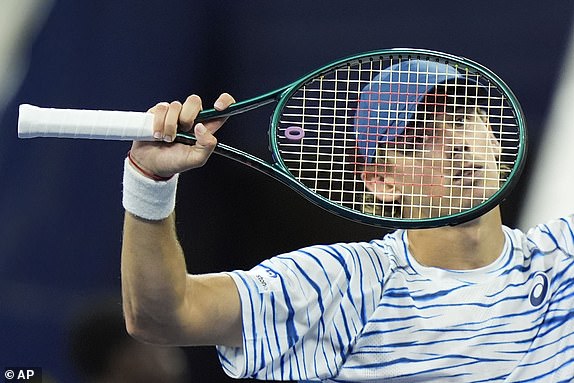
x,y
153,276
162,302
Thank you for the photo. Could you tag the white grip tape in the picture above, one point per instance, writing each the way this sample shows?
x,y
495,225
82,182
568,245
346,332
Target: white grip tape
x,y
34,121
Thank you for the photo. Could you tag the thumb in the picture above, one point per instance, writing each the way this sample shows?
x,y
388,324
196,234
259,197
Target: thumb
x,y
204,145
204,137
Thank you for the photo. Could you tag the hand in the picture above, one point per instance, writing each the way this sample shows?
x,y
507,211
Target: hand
x,y
165,158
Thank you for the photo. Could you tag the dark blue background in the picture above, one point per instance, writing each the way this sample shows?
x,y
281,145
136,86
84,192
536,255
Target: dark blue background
x,y
60,200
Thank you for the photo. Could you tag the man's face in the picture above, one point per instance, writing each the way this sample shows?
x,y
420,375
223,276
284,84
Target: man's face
x,y
448,164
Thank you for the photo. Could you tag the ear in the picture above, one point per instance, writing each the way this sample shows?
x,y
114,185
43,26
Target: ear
x,y
381,183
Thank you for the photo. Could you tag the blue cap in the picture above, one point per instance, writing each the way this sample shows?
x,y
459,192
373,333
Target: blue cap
x,y
391,98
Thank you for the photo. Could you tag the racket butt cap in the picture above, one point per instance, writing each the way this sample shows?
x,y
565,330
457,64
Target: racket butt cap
x,y
26,121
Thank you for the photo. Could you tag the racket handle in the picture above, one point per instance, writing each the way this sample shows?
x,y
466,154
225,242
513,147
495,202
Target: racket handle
x,y
34,121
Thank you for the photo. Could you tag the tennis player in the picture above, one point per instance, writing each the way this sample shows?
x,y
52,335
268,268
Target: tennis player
x,y
476,302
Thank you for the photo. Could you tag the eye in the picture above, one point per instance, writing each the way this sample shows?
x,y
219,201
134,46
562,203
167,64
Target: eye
x,y
424,134
459,118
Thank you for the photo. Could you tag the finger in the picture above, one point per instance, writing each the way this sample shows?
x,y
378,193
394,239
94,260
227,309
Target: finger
x,y
171,121
191,108
160,112
222,103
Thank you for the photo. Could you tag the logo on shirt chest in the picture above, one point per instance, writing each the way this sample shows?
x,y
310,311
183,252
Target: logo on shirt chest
x,y
539,289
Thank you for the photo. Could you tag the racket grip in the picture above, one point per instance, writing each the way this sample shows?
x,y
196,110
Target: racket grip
x,y
34,121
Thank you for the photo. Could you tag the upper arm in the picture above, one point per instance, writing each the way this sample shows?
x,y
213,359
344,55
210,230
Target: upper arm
x,y
210,314
212,311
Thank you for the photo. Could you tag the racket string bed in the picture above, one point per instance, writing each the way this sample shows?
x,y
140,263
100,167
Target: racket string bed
x,y
328,123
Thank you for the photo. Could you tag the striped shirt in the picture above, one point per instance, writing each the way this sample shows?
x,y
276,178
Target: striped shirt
x,y
369,312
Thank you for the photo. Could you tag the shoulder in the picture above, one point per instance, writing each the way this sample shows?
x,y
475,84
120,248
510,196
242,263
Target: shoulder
x,y
554,234
338,253
553,239
327,263
360,259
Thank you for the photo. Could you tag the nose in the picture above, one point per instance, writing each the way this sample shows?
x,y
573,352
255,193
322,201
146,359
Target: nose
x,y
457,145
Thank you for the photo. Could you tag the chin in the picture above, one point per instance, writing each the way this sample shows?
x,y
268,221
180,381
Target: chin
x,y
478,220
471,223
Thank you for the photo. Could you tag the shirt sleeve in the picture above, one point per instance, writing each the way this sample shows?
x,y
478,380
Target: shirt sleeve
x,y
556,235
302,312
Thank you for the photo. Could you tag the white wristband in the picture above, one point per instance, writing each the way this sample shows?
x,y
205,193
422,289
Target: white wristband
x,y
146,198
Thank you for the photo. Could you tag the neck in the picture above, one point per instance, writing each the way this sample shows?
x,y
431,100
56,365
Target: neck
x,y
467,246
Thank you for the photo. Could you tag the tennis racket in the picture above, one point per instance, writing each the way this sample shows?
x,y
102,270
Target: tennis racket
x,y
398,138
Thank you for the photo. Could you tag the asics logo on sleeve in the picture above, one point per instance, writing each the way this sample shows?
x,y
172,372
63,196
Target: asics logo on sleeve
x,y
266,279
539,289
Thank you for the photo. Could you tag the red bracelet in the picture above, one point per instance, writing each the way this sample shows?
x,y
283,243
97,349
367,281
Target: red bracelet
x,y
152,176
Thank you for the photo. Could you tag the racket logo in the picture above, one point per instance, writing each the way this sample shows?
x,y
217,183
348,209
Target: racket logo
x,y
539,289
294,133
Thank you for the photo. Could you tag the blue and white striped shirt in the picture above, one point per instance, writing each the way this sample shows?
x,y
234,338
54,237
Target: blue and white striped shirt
x,y
368,312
